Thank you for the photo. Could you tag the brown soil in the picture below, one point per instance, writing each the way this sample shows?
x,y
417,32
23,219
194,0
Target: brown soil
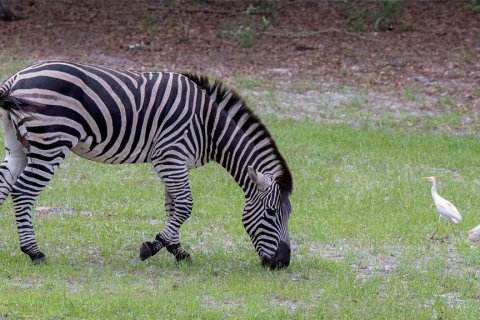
x,y
433,44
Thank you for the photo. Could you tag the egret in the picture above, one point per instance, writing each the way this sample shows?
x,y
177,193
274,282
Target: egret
x,y
445,208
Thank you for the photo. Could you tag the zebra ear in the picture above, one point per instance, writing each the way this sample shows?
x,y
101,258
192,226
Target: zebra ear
x,y
261,180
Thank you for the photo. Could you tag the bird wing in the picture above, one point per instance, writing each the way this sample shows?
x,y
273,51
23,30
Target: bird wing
x,y
448,210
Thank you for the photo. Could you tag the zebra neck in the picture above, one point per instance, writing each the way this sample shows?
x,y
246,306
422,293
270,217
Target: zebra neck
x,y
236,138
235,148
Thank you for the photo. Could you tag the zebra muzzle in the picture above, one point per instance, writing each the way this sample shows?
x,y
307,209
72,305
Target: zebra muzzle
x,y
179,253
281,258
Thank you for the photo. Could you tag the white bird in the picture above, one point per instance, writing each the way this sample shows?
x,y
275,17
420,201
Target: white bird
x,y
446,209
474,234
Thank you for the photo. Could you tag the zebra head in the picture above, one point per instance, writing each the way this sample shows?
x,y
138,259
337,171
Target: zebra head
x,y
265,219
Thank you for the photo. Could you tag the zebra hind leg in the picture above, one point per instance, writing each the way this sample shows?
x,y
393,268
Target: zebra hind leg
x,y
36,175
10,168
15,158
178,203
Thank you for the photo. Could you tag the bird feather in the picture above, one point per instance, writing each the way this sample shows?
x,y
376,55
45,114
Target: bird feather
x,y
447,210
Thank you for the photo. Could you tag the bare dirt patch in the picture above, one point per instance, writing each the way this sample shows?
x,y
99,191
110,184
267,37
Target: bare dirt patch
x,y
364,262
290,304
410,109
212,303
314,40
423,65
370,261
46,212
55,211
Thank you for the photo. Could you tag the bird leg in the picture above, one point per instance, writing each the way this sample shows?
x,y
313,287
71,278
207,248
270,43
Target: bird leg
x,y
436,230
455,231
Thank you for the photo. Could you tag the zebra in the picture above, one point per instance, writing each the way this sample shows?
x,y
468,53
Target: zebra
x,y
174,121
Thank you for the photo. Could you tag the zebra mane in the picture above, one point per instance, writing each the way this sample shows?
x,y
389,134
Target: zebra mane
x,y
236,107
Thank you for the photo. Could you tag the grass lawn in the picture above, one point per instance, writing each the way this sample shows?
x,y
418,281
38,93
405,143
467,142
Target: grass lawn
x,y
359,227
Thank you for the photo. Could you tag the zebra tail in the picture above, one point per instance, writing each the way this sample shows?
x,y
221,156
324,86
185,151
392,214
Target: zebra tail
x,y
18,106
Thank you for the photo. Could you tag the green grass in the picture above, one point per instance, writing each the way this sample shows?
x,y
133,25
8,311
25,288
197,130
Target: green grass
x,y
359,227
10,64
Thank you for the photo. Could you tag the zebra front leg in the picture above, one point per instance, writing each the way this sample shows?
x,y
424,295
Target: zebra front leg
x,y
169,236
169,205
25,191
150,248
178,203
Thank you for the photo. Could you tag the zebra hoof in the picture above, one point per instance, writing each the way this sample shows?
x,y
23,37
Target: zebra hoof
x,y
38,258
183,257
179,253
149,249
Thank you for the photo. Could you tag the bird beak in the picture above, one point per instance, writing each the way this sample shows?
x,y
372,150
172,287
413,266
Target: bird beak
x,y
425,178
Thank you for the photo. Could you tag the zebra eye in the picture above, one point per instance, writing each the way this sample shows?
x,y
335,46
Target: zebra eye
x,y
270,212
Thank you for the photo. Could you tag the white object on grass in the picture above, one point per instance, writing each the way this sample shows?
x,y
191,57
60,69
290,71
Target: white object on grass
x,y
474,234
446,209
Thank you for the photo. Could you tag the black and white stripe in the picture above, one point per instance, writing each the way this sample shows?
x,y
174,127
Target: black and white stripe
x,y
176,122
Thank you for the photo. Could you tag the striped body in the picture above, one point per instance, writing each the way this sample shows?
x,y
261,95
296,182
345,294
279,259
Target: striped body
x,y
107,113
176,122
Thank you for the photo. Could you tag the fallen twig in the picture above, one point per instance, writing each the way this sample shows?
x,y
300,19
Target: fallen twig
x,y
192,10
205,10
307,34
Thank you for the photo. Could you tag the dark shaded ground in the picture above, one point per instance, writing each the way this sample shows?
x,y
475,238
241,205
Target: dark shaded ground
x,y
311,41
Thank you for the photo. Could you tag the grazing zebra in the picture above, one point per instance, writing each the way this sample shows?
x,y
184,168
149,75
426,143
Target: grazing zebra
x,y
174,121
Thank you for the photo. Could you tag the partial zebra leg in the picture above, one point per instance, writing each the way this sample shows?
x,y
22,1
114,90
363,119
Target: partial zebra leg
x,y
36,175
15,158
178,189
169,205
149,248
